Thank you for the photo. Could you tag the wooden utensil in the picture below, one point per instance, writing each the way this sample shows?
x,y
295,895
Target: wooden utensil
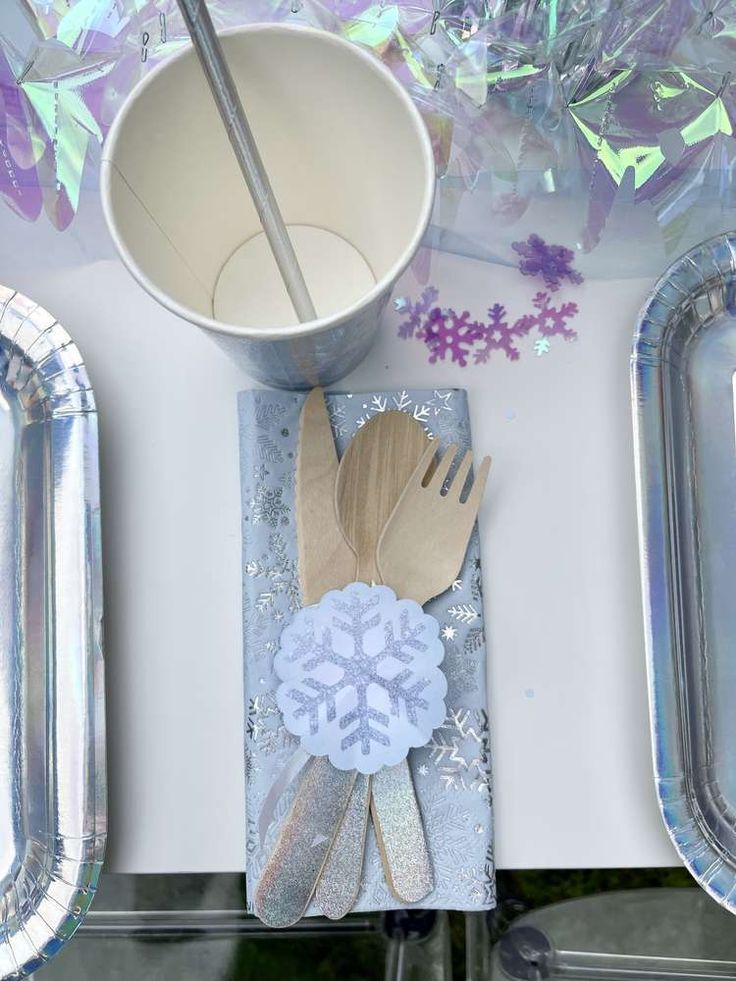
x,y
326,561
422,547
372,475
419,554
287,882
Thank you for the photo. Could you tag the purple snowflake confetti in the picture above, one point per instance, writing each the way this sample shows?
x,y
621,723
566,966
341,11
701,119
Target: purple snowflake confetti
x,y
446,332
552,262
549,320
415,311
498,335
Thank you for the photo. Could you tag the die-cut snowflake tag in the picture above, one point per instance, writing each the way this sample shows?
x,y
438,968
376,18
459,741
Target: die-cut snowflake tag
x,y
360,677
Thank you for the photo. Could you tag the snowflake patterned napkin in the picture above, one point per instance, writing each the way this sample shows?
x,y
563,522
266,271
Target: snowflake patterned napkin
x,y
452,773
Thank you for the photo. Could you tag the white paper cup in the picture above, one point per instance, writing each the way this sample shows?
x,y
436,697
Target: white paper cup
x,y
351,165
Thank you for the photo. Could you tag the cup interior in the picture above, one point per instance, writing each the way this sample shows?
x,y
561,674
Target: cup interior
x,y
346,153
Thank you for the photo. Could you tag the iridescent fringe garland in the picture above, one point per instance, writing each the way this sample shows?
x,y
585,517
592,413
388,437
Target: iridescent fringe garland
x,y
593,99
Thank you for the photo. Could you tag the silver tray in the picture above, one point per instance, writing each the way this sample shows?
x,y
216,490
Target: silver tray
x,y
683,366
52,735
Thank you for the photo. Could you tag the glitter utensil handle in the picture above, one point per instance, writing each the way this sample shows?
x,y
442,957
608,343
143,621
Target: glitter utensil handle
x,y
400,833
339,882
290,877
225,94
372,476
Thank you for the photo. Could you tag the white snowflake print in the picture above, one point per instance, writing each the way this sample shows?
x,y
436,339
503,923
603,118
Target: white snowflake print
x,y
360,677
482,882
278,593
440,402
338,418
454,858
269,507
264,726
463,612
460,749
474,640
258,431
402,401
461,671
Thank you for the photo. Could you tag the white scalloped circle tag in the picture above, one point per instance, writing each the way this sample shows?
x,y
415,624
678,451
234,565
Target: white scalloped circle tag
x,y
360,677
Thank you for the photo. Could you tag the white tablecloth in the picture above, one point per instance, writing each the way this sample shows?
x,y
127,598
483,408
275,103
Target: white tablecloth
x,y
568,701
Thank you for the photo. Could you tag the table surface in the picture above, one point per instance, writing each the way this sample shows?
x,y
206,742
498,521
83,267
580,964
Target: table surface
x,y
567,679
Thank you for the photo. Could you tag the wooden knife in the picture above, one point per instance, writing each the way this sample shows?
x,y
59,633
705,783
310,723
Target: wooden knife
x,y
326,562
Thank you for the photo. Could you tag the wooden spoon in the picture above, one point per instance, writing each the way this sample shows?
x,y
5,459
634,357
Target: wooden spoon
x,y
373,473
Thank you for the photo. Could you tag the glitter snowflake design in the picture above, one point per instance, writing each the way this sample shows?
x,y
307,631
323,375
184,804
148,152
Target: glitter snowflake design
x,y
268,506
447,332
552,262
360,677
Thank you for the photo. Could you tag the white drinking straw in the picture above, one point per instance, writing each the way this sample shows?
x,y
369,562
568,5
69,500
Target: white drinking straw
x,y
225,94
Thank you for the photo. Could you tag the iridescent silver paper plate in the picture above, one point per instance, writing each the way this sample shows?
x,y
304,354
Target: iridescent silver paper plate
x,y
52,734
683,366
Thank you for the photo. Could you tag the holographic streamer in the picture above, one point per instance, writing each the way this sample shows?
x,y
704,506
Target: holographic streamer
x,y
599,103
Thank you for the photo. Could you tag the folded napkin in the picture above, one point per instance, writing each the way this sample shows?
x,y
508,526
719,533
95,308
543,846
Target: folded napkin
x,y
452,773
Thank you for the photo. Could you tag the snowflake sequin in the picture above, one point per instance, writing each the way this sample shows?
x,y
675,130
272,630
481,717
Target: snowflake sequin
x,y
457,336
414,312
447,332
360,677
499,335
549,320
552,262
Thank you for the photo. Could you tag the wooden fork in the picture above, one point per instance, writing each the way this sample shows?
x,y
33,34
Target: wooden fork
x,y
419,555
422,548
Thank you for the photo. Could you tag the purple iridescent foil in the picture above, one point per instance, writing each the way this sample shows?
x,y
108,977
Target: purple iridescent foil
x,y
599,102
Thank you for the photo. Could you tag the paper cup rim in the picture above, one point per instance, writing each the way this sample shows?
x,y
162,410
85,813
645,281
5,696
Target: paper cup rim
x,y
289,331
